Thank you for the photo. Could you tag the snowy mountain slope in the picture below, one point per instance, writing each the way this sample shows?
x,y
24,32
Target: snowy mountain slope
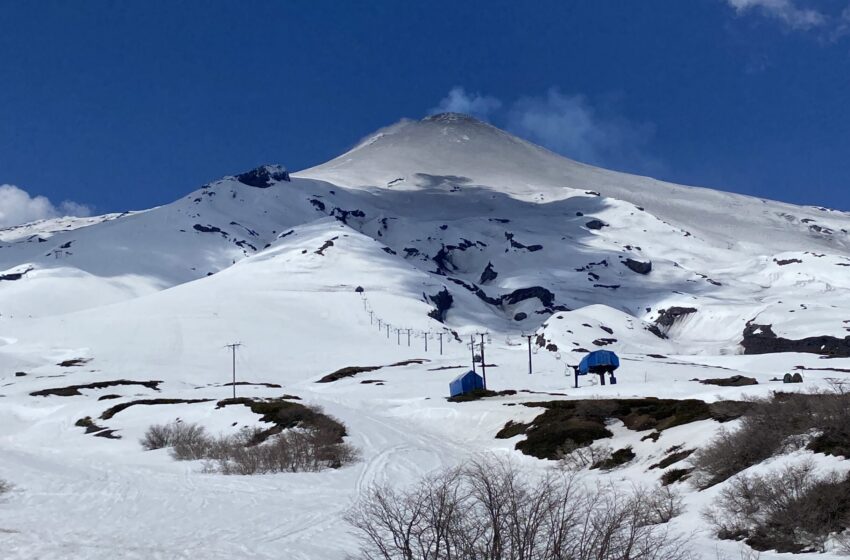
x,y
451,149
484,232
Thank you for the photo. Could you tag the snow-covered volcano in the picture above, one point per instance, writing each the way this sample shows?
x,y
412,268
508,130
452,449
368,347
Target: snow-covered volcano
x,y
424,234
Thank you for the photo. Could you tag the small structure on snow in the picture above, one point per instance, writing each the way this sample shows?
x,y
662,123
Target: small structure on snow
x,y
599,362
465,383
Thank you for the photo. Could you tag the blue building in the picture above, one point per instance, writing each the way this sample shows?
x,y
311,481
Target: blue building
x,y
464,383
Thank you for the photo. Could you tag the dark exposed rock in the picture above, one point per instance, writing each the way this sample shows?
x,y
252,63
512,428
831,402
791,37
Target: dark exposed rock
x,y
443,301
326,245
734,381
638,266
546,297
318,204
666,317
595,224
760,339
520,316
209,229
264,176
783,262
604,341
74,390
343,215
489,274
443,258
15,275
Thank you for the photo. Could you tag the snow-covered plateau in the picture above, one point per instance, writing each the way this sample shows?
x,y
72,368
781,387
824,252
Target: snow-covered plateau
x,y
451,229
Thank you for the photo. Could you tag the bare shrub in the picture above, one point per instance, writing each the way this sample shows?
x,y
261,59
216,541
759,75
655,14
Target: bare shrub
x,y
4,486
780,423
158,436
790,510
491,510
188,441
251,451
573,457
662,503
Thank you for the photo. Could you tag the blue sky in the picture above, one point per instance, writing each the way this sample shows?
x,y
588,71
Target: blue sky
x,y
126,105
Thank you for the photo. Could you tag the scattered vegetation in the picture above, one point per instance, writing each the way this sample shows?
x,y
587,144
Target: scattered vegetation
x,y
581,422
675,475
88,424
284,415
74,390
110,412
74,362
4,487
490,509
785,421
617,459
479,394
303,438
789,510
674,455
734,381
351,371
92,428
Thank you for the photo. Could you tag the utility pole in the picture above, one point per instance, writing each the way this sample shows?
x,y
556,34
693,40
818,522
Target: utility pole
x,y
483,363
388,330
371,314
528,336
441,343
472,348
380,322
408,336
426,341
233,348
398,336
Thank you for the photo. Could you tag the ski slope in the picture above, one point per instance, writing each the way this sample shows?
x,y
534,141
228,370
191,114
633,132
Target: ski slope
x,y
523,241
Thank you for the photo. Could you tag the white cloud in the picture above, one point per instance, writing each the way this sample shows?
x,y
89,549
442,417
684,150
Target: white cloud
x,y
18,207
572,126
568,124
785,11
475,104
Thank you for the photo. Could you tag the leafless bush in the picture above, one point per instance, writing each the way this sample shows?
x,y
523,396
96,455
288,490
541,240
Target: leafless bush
x,y
489,510
574,457
186,439
253,450
4,486
662,503
296,450
780,423
790,510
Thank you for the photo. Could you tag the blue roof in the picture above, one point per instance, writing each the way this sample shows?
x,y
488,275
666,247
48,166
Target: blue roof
x,y
599,358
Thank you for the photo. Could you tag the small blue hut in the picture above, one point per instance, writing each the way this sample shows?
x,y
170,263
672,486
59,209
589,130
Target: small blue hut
x,y
465,383
599,362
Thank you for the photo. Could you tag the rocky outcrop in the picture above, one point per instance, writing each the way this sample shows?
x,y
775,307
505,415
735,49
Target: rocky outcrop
x,y
264,176
760,339
443,301
489,274
638,266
